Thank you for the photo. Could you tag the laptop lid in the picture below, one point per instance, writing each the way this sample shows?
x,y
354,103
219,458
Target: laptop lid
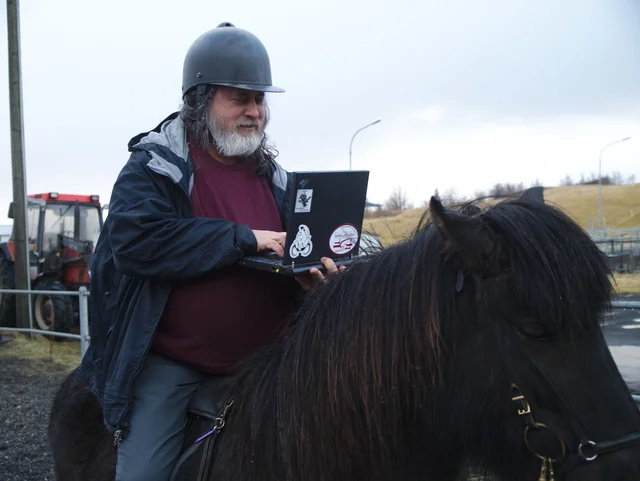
x,y
327,211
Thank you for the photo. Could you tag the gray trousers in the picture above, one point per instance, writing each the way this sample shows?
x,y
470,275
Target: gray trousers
x,y
158,419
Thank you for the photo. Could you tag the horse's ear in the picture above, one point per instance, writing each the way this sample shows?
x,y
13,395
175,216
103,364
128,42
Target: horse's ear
x,y
465,237
533,193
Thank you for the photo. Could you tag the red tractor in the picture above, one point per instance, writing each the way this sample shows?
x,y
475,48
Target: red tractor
x,y
62,230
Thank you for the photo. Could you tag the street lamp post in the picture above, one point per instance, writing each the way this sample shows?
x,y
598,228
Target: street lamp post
x,y
354,135
600,179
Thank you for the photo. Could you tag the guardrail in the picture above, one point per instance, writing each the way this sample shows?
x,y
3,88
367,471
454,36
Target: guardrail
x,y
608,232
83,294
625,304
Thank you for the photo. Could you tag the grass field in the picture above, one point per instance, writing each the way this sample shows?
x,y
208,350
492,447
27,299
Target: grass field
x,y
620,207
39,349
620,204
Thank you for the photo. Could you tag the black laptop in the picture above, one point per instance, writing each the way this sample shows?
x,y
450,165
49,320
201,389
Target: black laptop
x,y
325,220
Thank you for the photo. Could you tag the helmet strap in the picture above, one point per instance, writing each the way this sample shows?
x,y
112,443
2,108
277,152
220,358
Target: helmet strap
x,y
201,93
201,90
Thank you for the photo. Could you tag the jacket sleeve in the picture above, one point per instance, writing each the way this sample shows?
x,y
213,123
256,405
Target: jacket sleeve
x,y
151,240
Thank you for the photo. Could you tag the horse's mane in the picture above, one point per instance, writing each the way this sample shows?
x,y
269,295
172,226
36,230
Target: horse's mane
x,y
557,271
329,371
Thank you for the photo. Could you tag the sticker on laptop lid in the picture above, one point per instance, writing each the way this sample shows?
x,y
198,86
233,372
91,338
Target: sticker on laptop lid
x,y
301,245
303,200
344,239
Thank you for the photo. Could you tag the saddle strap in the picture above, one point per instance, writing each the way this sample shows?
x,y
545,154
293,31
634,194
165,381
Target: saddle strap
x,y
206,461
204,449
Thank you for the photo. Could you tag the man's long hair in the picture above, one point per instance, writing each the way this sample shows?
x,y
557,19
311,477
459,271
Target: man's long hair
x,y
196,117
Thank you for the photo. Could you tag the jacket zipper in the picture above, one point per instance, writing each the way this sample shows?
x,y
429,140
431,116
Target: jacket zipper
x,y
118,434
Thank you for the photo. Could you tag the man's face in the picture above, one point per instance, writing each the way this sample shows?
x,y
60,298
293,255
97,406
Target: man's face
x,y
237,120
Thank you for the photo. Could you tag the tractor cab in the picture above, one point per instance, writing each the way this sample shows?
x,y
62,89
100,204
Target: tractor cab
x,y
62,231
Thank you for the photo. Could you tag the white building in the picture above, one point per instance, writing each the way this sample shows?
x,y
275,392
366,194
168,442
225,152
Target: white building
x,y
5,232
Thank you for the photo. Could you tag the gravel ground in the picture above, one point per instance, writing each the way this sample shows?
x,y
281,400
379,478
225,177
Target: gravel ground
x,y
26,392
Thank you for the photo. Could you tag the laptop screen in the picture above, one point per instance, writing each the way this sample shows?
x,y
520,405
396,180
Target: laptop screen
x,y
326,215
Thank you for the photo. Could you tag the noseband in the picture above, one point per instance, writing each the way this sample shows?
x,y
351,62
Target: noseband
x,y
587,449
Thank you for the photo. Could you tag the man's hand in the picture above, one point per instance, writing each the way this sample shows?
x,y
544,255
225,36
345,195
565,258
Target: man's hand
x,y
314,277
269,240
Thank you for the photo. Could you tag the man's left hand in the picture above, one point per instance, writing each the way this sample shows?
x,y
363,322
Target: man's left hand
x,y
315,277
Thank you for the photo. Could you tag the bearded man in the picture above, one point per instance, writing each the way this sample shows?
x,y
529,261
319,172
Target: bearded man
x,y
169,304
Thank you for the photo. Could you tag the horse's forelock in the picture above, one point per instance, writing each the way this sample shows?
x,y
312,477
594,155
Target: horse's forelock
x,y
556,271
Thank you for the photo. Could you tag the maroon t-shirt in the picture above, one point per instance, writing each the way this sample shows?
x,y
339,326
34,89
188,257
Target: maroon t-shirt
x,y
213,322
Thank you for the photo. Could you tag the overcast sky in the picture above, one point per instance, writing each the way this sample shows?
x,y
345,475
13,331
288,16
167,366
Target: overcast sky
x,y
470,93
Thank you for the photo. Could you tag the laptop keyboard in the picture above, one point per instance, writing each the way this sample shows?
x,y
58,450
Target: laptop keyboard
x,y
268,258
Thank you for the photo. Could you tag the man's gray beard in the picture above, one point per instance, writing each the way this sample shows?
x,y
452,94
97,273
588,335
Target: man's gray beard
x,y
232,143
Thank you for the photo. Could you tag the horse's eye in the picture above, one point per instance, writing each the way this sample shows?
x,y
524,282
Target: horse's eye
x,y
535,330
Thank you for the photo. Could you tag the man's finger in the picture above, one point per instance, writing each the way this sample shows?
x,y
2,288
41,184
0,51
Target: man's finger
x,y
316,274
280,238
330,266
275,246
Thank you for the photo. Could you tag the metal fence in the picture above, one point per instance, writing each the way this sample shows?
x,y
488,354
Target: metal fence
x,y
83,294
629,233
621,245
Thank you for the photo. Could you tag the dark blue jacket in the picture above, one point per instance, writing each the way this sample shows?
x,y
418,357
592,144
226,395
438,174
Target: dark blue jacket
x,y
149,240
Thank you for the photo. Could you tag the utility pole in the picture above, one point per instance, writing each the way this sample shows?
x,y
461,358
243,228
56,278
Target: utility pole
x,y
21,270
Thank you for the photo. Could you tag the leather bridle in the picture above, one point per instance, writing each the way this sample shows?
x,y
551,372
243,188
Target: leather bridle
x,y
586,451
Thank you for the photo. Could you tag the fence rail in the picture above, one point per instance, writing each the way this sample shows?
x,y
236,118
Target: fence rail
x,y
625,304
82,293
608,232
621,246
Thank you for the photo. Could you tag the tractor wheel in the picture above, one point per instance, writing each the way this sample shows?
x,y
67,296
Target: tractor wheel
x,y
7,301
52,312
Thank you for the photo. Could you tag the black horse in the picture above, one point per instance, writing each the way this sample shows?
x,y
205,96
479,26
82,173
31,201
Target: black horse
x,y
475,342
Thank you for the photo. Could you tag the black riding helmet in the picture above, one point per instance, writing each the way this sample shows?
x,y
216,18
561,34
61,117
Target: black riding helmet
x,y
227,56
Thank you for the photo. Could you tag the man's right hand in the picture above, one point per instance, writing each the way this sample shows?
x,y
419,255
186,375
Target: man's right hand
x,y
269,240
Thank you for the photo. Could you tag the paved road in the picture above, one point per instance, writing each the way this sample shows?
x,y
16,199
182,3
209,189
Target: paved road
x,y
622,331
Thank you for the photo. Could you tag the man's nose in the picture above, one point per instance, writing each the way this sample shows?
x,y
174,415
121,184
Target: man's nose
x,y
252,109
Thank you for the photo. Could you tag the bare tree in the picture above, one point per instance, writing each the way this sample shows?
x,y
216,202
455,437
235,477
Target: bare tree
x,y
505,189
593,179
567,180
397,200
617,178
450,197
479,194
